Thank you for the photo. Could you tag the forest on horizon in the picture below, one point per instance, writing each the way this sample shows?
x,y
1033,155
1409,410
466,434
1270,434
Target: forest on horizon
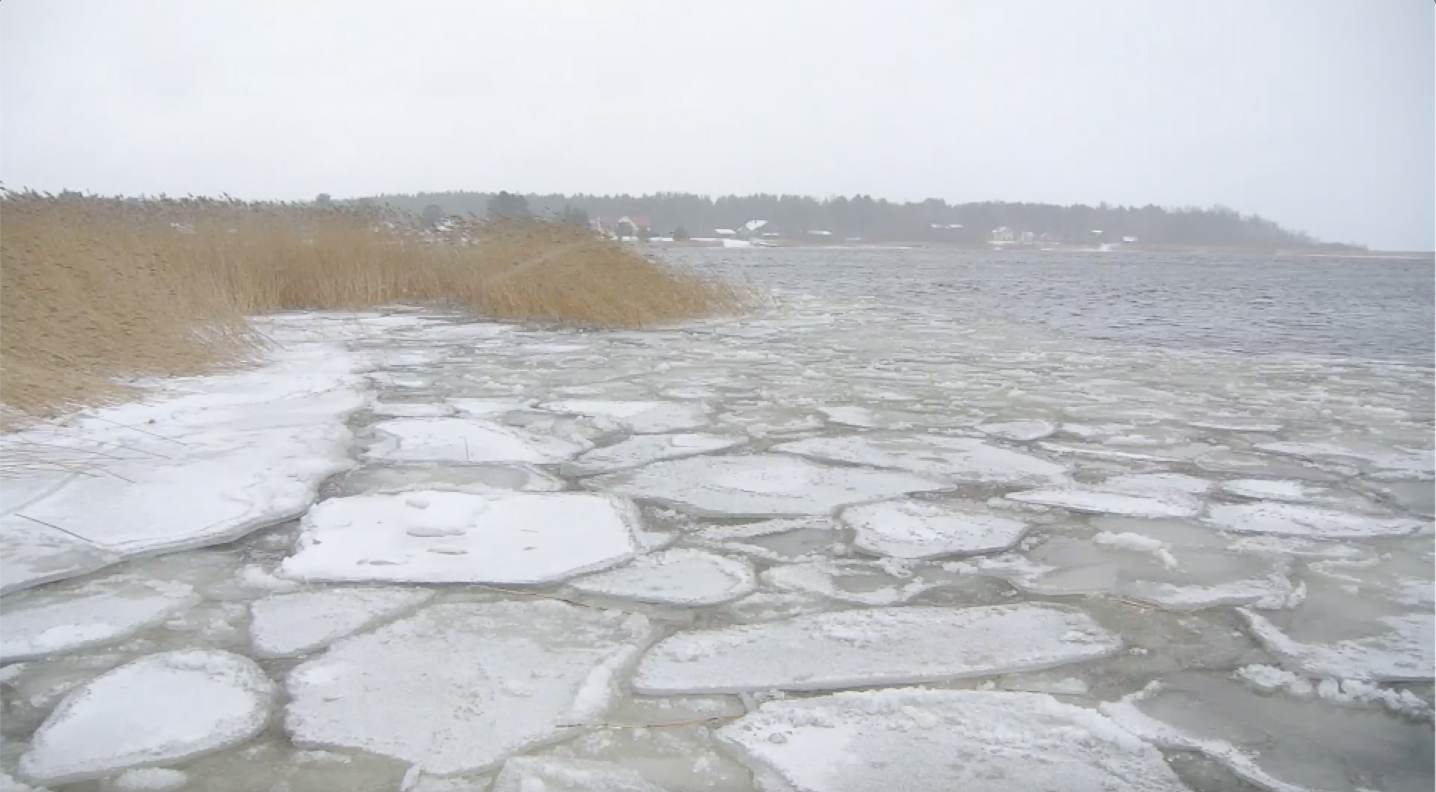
x,y
876,219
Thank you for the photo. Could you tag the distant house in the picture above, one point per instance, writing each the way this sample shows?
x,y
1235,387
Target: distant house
x,y
946,226
1003,235
1129,240
725,232
750,228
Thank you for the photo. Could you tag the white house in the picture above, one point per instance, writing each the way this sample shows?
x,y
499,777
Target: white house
x,y
1003,235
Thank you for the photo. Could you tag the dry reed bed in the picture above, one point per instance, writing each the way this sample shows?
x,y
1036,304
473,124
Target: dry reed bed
x,y
93,290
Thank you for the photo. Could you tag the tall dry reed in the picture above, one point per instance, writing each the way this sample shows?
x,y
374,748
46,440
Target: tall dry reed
x,y
93,290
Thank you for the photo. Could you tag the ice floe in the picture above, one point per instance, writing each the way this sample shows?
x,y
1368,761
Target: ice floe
x,y
461,687
1320,748
284,625
1405,650
674,577
32,554
765,485
869,647
642,417
1095,501
853,582
941,740
1021,431
466,440
148,779
452,537
1311,521
159,709
202,460
924,529
559,774
959,459
57,620
644,449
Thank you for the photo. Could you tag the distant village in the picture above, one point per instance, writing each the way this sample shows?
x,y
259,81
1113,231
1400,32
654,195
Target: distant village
x,y
754,234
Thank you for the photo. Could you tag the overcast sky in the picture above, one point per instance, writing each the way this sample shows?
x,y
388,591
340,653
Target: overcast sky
x,y
1315,113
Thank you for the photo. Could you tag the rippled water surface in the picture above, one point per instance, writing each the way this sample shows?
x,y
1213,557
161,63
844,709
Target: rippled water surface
x,y
1376,308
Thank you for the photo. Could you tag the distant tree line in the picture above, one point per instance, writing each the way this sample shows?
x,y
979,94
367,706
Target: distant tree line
x,y
875,219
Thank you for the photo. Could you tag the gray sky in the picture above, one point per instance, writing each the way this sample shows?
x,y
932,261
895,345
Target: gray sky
x,y
1315,113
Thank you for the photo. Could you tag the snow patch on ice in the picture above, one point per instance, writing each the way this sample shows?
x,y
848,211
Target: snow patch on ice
x,y
942,740
159,709
872,647
452,537
459,688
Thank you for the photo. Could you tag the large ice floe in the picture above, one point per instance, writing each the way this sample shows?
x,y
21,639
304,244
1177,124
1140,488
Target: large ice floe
x,y
461,687
942,740
863,648
959,459
159,709
198,461
763,485
454,537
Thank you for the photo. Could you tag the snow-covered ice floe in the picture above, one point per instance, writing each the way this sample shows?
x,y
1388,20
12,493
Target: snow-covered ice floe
x,y
201,460
761,485
159,709
674,577
877,646
958,459
466,440
642,417
296,623
942,741
460,688
57,620
454,537
924,529
1298,520
643,449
